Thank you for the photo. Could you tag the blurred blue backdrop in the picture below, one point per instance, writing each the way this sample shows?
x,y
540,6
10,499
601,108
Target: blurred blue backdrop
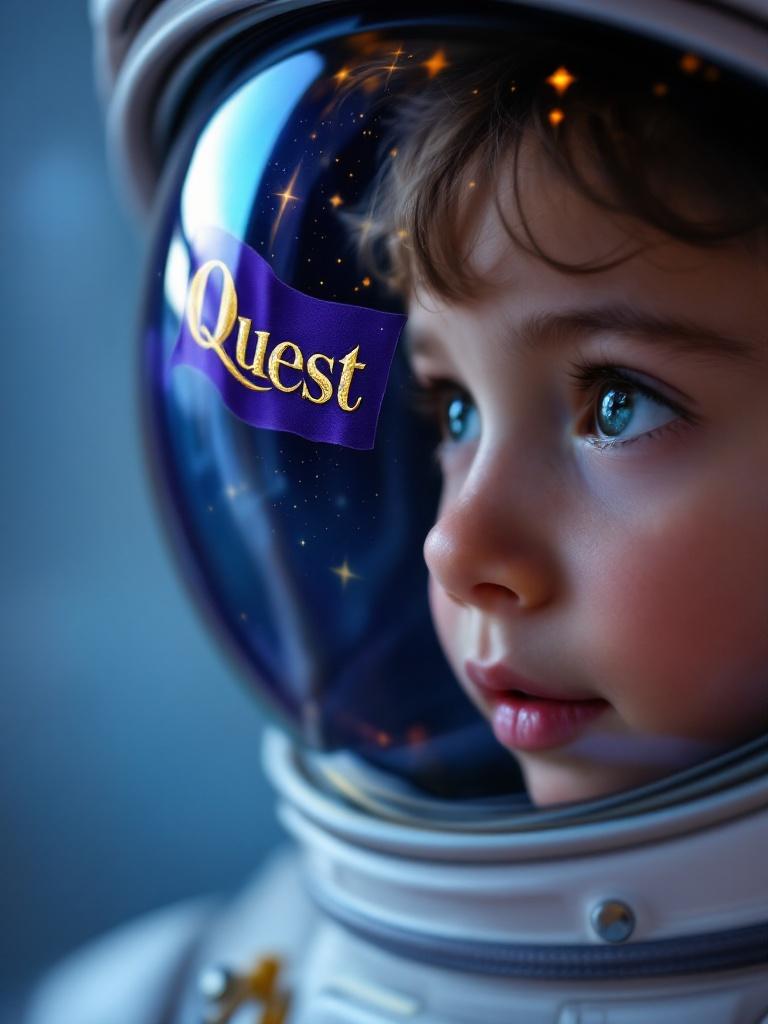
x,y
129,753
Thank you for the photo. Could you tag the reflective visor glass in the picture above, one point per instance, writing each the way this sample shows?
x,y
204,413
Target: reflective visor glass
x,y
289,440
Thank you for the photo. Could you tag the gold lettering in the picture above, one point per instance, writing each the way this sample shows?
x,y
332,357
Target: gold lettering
x,y
326,388
226,317
276,361
225,320
262,337
350,364
227,306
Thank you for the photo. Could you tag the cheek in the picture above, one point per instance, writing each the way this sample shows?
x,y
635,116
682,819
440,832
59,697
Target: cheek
x,y
678,607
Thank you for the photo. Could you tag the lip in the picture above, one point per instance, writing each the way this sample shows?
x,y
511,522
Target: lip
x,y
532,716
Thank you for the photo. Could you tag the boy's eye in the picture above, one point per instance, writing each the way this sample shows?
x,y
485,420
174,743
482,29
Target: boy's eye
x,y
623,410
450,407
461,418
615,410
624,413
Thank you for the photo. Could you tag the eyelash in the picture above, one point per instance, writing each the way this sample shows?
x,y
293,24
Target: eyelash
x,y
427,394
429,399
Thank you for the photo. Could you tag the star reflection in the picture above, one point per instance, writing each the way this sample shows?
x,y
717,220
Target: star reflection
x,y
561,80
436,63
285,197
344,573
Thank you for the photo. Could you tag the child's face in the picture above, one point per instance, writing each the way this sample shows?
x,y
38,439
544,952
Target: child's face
x,y
634,575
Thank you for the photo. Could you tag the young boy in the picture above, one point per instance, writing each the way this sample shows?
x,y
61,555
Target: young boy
x,y
586,275
578,236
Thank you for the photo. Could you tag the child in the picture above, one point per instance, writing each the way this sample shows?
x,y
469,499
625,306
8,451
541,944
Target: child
x,y
579,238
586,280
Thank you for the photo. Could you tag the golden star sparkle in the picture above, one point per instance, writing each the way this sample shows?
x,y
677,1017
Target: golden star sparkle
x,y
336,201
436,63
285,197
342,75
344,573
396,54
556,116
561,80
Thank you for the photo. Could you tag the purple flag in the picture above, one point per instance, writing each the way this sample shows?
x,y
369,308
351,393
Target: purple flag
x,y
282,359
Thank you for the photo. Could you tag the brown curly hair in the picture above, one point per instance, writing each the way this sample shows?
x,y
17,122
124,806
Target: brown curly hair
x,y
647,117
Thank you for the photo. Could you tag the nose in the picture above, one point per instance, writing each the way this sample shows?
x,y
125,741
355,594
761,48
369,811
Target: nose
x,y
482,552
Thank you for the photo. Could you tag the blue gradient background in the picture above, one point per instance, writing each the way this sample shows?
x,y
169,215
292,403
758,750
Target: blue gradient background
x,y
129,752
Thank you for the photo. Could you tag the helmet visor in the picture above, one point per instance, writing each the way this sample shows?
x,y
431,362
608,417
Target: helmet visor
x,y
280,398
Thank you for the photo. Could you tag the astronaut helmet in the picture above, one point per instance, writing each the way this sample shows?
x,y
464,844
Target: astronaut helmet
x,y
308,168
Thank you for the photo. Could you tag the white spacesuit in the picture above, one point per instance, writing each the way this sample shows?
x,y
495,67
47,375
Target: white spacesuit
x,y
422,885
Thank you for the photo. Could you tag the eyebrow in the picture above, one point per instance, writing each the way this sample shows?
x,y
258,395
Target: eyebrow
x,y
672,333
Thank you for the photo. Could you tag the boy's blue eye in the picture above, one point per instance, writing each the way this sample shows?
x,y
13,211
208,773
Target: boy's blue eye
x,y
615,410
449,407
621,409
625,412
462,421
